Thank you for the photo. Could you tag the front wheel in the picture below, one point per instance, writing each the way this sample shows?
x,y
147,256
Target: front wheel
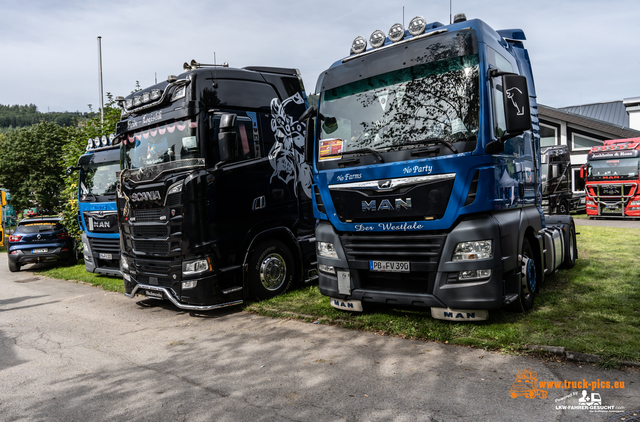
x,y
271,269
529,281
564,208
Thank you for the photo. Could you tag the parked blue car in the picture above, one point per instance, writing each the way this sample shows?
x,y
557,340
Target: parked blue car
x,y
41,239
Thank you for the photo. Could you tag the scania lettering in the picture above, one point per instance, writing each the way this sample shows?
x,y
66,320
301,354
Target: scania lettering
x,y
440,124
612,179
215,192
97,215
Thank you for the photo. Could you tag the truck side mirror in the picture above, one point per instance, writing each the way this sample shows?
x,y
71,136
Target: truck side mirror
x,y
71,169
554,171
309,136
582,172
516,105
228,137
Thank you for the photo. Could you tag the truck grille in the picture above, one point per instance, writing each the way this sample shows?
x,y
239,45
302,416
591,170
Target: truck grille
x,y
159,267
99,245
422,251
151,231
142,216
151,246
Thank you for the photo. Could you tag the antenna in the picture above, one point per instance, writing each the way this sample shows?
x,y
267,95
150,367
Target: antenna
x,y
156,76
450,12
403,16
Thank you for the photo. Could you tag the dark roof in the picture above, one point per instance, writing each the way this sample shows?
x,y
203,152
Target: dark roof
x,y
611,130
613,112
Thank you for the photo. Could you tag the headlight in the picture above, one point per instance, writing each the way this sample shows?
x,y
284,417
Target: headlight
x,y
196,267
327,250
634,203
481,249
545,202
175,188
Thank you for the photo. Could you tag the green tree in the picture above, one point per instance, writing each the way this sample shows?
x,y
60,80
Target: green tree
x,y
76,146
30,165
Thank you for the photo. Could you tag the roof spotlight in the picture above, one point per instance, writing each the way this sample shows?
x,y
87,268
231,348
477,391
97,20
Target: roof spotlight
x,y
358,45
129,103
104,140
111,138
417,26
96,141
377,38
396,33
89,144
459,17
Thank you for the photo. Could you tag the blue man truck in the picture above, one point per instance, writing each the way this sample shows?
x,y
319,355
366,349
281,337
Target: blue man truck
x,y
426,173
97,213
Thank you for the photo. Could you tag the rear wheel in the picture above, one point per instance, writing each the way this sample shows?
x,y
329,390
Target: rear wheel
x,y
571,250
14,267
271,269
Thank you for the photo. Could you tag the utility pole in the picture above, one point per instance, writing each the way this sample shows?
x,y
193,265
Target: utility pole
x,y
100,74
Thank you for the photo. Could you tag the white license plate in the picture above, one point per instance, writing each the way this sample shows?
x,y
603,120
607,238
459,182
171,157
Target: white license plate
x,y
153,294
390,266
105,256
40,250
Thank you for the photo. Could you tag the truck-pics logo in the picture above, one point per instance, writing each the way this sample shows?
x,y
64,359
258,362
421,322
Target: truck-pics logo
x,y
526,384
145,196
385,204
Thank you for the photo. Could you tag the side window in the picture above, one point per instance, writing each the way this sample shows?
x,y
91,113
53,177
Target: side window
x,y
497,61
247,131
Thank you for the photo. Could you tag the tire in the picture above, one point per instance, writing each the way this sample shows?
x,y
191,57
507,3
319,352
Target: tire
x,y
73,258
563,207
271,270
525,300
14,267
571,251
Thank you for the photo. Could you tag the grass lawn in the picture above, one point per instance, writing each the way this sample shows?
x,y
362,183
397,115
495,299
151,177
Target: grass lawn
x,y
592,308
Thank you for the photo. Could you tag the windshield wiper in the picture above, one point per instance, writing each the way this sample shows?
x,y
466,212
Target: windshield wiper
x,y
362,150
95,198
429,141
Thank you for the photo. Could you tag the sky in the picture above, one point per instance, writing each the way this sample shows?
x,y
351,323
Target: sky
x,y
582,51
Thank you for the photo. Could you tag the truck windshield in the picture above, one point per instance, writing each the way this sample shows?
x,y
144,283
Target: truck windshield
x,y
436,101
618,168
175,143
98,180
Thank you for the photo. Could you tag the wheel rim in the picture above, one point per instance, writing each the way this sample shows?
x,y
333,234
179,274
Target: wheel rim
x,y
273,271
531,275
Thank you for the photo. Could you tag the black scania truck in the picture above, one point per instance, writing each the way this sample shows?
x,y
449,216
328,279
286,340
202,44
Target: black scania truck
x,y
214,196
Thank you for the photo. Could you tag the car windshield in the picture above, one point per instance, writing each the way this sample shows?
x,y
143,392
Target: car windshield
x,y
436,101
619,168
174,142
98,180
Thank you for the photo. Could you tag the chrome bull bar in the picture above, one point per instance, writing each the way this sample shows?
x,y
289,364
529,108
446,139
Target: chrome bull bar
x,y
172,298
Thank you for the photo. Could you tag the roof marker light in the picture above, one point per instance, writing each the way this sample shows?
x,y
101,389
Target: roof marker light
x,y
459,17
417,25
396,33
377,38
358,45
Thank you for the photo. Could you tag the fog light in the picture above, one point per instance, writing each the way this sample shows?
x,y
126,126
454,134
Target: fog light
x,y
327,250
326,268
125,264
189,284
126,276
481,249
474,274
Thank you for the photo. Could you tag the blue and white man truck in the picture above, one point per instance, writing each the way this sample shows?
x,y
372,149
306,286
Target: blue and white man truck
x,y
97,212
426,167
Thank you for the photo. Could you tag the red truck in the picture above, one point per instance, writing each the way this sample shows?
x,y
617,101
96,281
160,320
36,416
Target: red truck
x,y
612,179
